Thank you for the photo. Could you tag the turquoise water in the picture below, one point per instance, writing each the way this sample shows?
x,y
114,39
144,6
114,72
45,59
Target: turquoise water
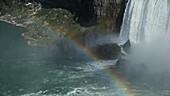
x,y
35,71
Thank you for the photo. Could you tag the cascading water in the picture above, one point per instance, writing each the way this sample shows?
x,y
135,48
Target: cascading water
x,y
147,25
146,20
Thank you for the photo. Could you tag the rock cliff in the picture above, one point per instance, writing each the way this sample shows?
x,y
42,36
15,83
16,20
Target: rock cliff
x,y
110,13
107,13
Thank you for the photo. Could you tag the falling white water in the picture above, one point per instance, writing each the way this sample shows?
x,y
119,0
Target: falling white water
x,y
146,20
147,25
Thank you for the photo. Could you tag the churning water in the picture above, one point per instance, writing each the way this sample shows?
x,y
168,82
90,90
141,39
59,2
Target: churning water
x,y
147,25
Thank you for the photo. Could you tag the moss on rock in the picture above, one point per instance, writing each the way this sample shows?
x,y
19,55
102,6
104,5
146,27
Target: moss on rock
x,y
59,20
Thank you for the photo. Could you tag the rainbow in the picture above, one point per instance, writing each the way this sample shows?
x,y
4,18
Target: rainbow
x,y
121,83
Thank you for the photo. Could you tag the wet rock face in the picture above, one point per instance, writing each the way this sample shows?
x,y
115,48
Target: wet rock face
x,y
101,6
107,51
110,13
126,46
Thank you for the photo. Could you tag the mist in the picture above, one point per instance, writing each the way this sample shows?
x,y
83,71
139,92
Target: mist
x,y
98,38
149,62
146,25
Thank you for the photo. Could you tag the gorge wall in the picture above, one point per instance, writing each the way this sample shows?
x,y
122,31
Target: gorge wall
x,y
108,13
83,20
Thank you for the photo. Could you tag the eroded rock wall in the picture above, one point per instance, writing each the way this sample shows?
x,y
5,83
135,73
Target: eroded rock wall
x,y
110,13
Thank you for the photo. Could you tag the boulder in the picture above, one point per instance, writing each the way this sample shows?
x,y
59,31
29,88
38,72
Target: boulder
x,y
107,51
126,46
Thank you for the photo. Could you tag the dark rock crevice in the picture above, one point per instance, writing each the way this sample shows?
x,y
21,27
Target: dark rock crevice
x,y
82,9
86,14
119,19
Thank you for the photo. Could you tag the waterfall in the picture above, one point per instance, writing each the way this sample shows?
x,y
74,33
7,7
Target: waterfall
x,y
146,24
146,20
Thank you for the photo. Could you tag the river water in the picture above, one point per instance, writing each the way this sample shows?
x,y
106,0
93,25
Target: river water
x,y
34,71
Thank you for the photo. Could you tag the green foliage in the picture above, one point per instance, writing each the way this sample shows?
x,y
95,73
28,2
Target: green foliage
x,y
46,23
59,20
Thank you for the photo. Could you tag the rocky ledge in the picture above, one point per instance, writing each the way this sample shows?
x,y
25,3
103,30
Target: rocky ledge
x,y
46,27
